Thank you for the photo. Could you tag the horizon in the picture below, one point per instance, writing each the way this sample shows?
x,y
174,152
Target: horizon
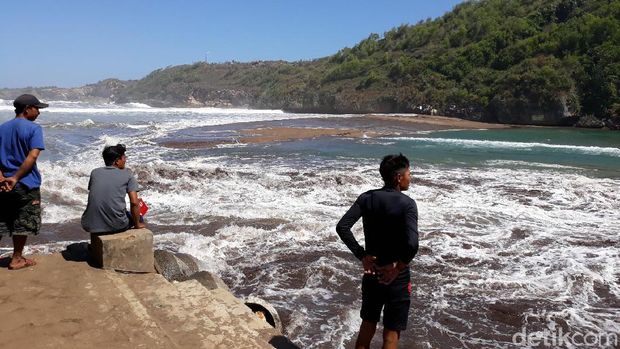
x,y
64,45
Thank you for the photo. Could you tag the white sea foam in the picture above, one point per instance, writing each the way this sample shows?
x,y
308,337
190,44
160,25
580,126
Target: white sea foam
x,y
70,107
529,164
138,105
109,110
472,143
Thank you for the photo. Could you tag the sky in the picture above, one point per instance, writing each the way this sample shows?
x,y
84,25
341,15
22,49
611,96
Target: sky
x,y
70,43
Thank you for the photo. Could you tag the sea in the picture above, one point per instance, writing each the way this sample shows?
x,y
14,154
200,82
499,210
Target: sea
x,y
519,227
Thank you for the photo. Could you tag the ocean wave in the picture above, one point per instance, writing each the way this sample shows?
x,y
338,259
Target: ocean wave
x,y
530,164
86,123
471,143
112,108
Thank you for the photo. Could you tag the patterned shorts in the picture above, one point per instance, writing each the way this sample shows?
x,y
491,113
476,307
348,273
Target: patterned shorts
x,y
20,211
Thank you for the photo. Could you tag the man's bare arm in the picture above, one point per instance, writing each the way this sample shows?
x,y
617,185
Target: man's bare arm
x,y
134,203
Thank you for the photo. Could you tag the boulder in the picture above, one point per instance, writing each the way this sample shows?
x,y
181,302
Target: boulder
x,y
613,123
131,251
175,266
589,121
182,267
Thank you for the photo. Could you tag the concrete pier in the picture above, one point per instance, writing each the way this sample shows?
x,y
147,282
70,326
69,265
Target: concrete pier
x,y
66,303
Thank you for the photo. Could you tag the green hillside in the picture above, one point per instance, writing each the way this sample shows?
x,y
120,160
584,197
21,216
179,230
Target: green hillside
x,y
515,61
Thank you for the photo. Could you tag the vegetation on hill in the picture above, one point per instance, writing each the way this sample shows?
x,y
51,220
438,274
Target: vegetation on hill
x,y
518,61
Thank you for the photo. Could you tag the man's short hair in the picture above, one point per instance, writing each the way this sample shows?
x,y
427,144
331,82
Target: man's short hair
x,y
19,110
391,165
112,153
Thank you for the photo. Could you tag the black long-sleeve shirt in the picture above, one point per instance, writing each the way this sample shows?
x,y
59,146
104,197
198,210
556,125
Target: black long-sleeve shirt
x,y
390,221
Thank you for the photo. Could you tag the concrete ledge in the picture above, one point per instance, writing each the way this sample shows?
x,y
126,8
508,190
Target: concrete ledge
x,y
68,304
131,250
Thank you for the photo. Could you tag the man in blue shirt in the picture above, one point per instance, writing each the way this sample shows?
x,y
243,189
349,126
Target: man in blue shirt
x,y
21,141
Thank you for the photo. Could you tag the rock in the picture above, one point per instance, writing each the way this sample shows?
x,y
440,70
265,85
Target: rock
x,y
188,263
127,251
265,311
183,267
589,121
175,266
209,280
613,124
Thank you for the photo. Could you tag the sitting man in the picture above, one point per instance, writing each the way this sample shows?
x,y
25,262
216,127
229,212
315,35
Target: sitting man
x,y
106,212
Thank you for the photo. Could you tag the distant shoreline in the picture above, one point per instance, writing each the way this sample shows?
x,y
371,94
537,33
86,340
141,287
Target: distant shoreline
x,y
438,120
278,133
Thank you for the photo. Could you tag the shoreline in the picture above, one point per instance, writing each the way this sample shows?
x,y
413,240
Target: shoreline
x,y
440,120
269,135
363,126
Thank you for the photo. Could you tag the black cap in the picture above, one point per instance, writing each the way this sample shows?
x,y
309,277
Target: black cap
x,y
28,100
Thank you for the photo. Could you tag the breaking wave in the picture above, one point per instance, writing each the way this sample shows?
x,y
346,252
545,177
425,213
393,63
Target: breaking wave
x,y
481,144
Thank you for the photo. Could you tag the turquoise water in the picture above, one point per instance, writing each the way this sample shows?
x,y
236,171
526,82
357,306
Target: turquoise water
x,y
589,152
593,151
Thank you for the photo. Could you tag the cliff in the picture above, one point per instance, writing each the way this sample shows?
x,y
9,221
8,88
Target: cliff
x,y
104,91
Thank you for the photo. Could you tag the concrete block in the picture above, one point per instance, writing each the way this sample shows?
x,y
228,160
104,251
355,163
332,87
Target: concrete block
x,y
265,311
131,250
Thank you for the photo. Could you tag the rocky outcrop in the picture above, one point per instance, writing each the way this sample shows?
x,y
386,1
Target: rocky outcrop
x,y
612,123
589,121
106,89
102,92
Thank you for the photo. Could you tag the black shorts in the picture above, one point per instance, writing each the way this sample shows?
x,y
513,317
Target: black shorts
x,y
394,299
20,211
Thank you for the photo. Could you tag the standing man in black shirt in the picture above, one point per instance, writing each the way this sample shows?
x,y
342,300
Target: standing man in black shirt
x,y
390,220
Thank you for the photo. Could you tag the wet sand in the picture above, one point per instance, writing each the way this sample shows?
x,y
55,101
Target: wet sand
x,y
442,121
270,135
368,126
